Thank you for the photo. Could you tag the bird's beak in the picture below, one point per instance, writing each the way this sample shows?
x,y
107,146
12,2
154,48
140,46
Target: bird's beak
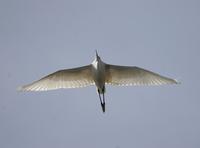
x,y
96,54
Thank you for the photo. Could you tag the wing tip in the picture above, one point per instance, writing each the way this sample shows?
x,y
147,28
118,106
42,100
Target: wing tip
x,y
22,89
177,81
26,88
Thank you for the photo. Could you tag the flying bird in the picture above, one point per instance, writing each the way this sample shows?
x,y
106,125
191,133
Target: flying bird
x,y
98,73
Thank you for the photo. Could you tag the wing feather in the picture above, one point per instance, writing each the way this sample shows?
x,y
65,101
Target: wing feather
x,y
126,76
68,78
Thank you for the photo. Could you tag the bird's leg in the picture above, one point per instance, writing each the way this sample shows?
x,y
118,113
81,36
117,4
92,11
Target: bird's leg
x,y
103,90
102,104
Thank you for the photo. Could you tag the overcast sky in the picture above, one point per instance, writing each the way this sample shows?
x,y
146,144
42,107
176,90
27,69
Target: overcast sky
x,y
38,37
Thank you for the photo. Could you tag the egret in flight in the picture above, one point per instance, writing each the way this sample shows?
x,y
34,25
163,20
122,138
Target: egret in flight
x,y
98,73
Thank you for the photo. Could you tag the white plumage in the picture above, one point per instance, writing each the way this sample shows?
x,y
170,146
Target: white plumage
x,y
98,73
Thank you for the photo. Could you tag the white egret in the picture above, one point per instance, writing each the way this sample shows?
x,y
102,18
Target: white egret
x,y
98,73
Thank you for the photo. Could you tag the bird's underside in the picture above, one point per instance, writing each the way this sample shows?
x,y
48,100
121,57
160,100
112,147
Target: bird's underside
x,y
84,76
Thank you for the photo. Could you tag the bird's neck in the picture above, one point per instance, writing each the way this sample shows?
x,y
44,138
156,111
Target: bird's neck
x,y
97,64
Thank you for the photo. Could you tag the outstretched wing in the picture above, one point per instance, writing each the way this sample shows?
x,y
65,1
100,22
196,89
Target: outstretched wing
x,y
68,78
125,76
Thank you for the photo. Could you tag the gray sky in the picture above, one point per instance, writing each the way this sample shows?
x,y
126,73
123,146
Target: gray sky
x,y
38,37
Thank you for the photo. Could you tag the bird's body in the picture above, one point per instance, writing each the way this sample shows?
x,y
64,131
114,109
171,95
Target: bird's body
x,y
98,73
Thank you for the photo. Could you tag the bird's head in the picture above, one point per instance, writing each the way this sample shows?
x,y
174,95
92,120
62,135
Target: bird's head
x,y
97,56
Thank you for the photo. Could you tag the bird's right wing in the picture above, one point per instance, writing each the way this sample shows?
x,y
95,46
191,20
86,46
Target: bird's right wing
x,y
125,76
68,78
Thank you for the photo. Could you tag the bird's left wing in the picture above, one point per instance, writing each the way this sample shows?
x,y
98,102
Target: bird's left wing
x,y
68,78
126,75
